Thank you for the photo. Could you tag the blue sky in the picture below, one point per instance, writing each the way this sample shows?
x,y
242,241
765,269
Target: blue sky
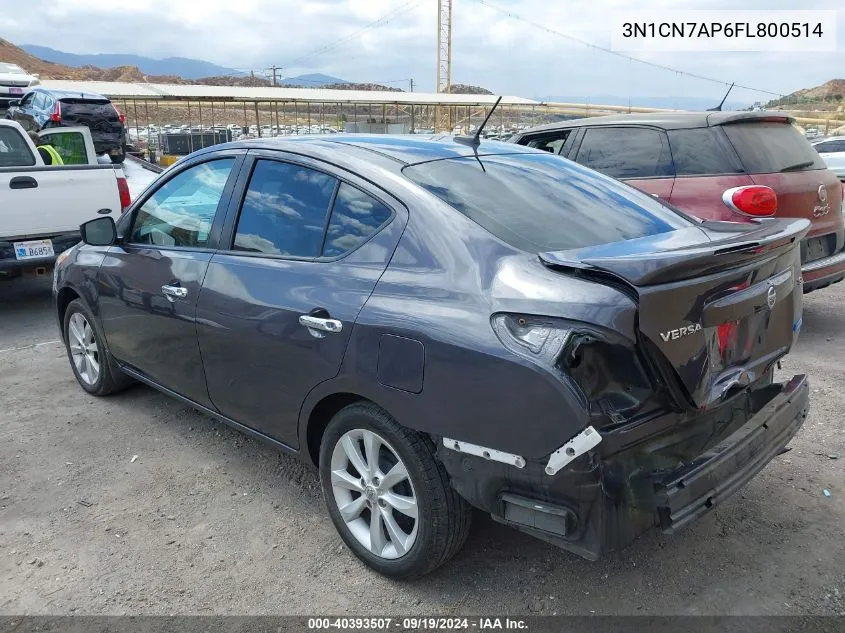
x,y
489,49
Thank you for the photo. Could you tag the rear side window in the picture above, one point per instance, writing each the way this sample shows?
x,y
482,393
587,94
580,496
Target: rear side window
x,y
538,202
355,217
626,152
14,152
701,152
767,147
284,210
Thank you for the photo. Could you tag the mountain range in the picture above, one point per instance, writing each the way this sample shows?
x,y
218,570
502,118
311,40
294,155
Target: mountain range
x,y
179,66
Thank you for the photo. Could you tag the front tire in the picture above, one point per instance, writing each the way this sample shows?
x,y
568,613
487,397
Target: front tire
x,y
387,496
91,363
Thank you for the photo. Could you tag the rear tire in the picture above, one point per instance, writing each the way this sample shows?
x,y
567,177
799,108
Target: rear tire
x,y
95,370
420,521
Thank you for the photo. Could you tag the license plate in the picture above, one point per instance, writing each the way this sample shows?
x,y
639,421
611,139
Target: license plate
x,y
34,249
816,248
15,91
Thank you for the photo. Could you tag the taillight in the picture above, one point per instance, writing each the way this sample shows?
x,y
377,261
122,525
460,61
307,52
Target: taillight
x,y
56,116
120,114
123,190
726,333
753,200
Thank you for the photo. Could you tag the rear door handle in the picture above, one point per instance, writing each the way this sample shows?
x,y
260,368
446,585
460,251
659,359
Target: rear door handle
x,y
174,292
318,326
23,182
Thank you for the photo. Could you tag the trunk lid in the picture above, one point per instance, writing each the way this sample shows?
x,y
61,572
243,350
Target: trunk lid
x,y
719,303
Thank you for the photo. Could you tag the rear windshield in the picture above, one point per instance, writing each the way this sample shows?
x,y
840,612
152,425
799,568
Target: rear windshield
x,y
770,147
541,202
14,152
101,108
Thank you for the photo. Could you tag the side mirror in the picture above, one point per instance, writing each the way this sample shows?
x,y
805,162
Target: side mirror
x,y
13,103
99,232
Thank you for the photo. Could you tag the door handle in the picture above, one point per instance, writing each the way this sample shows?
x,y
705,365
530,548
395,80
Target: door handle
x,y
174,292
318,326
23,182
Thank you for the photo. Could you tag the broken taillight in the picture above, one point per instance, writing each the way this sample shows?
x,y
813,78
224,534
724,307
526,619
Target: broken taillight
x,y
726,333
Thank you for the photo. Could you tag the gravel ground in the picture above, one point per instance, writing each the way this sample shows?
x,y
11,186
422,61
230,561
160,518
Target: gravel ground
x,y
206,521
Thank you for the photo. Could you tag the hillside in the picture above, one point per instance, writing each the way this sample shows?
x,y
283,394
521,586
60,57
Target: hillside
x,y
465,89
828,96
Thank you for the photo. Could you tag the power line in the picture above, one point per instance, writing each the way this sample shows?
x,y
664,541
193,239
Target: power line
x,y
390,15
571,38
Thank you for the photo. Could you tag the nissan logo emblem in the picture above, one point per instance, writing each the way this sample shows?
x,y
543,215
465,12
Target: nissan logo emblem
x,y
822,194
771,297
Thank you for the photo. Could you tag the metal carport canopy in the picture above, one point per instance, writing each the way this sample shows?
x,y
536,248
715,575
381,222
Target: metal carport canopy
x,y
180,92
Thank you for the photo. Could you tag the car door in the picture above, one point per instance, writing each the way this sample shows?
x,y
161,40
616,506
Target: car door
x,y
298,260
638,155
149,283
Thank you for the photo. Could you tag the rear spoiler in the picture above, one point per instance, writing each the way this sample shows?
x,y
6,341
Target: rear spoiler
x,y
690,252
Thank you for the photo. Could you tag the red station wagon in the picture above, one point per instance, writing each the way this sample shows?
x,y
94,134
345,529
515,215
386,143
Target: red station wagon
x,y
716,166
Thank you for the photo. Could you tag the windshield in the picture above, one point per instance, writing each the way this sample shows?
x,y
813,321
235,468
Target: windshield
x,y
541,202
11,68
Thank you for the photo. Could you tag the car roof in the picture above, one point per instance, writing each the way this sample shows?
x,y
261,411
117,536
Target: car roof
x,y
71,94
663,120
401,149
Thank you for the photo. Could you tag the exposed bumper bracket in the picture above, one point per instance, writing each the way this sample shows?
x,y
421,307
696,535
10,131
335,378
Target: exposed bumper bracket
x,y
577,446
487,453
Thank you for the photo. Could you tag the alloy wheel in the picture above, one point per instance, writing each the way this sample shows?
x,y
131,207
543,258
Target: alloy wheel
x,y
374,494
83,348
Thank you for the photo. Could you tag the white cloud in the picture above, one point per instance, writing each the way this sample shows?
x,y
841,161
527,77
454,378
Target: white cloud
x,y
489,48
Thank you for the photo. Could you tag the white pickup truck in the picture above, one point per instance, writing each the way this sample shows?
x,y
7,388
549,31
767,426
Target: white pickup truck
x,y
41,207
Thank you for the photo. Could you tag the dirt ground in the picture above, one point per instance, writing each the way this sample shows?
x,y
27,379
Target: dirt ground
x,y
206,521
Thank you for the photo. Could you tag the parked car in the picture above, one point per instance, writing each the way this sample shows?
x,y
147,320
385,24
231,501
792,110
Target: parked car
x,y
716,166
42,207
43,108
832,151
437,324
14,83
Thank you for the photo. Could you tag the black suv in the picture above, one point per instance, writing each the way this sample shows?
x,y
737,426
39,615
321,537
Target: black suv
x,y
43,108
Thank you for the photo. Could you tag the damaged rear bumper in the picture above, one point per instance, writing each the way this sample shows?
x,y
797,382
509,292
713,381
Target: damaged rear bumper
x,y
605,498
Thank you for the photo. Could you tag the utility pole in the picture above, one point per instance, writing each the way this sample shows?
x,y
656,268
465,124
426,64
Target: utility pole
x,y
274,68
412,84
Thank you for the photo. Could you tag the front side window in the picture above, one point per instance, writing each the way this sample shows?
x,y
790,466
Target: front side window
x,y
181,211
626,152
284,210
